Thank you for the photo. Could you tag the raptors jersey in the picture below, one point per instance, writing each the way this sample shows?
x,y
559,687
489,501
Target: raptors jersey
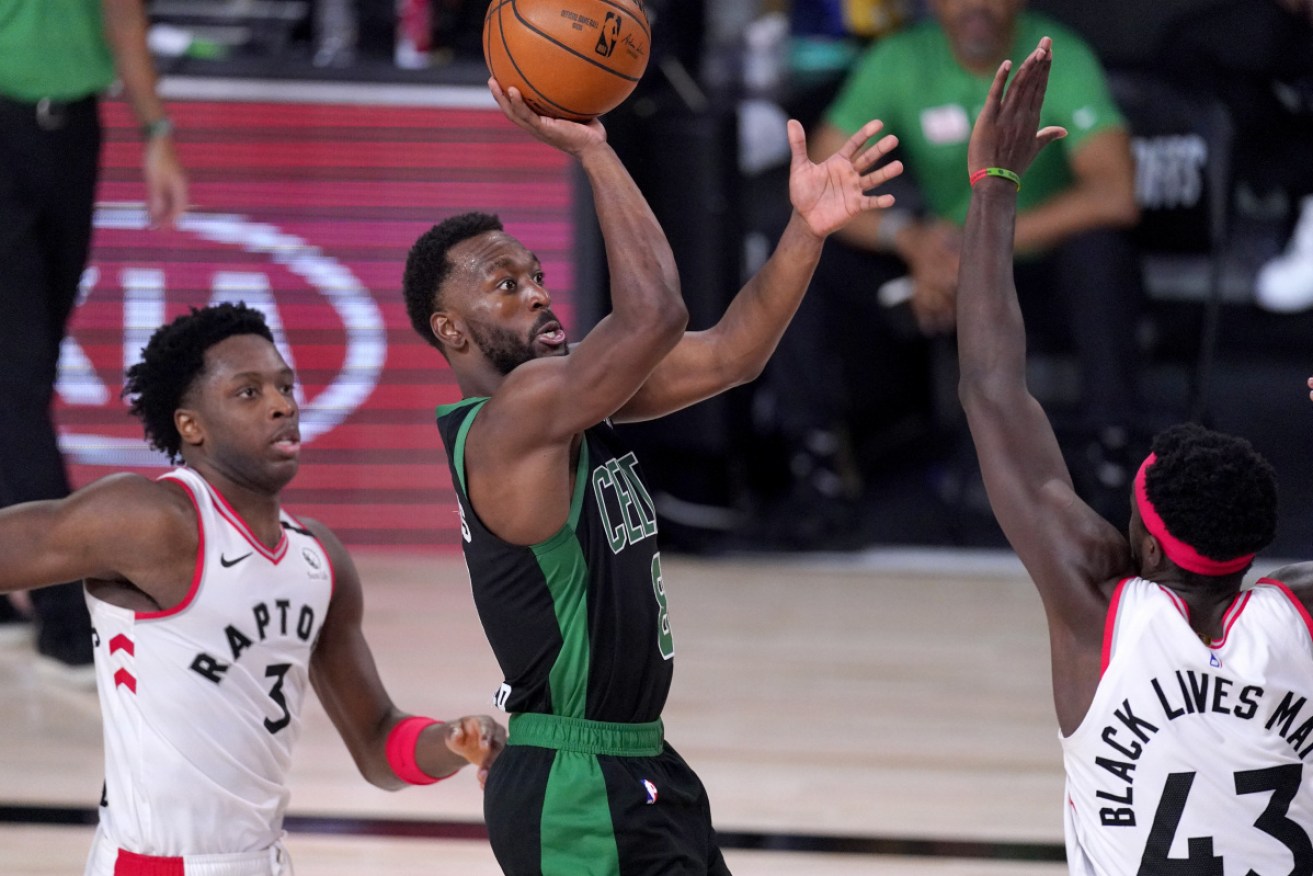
x,y
201,703
1192,757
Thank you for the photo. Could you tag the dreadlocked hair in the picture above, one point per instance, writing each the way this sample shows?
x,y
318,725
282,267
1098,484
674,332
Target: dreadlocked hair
x,y
1213,491
427,267
173,359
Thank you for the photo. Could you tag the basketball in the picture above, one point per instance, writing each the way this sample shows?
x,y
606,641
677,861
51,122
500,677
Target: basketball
x,y
570,59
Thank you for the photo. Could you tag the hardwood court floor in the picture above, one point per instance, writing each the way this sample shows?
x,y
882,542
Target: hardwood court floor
x,y
886,712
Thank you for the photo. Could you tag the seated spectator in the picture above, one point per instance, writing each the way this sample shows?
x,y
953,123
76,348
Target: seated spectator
x,y
1077,270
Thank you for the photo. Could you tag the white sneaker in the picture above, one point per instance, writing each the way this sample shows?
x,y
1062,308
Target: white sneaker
x,y
1285,284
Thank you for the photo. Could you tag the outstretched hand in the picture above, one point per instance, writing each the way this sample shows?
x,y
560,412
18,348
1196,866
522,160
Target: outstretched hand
x,y
570,137
828,194
1005,133
477,738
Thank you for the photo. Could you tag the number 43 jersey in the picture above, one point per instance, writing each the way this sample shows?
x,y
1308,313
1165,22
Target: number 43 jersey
x,y
202,702
1192,757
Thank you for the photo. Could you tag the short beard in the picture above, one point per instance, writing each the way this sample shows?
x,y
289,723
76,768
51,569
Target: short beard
x,y
502,348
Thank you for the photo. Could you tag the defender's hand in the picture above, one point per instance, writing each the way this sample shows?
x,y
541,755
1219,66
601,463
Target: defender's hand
x,y
477,738
1005,133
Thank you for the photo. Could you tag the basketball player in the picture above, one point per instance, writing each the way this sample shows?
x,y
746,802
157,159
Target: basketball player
x,y
213,609
1185,701
559,530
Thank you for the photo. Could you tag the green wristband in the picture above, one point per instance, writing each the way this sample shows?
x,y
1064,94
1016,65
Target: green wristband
x,y
161,127
996,171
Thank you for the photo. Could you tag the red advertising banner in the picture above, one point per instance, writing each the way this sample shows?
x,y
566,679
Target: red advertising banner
x,y
307,211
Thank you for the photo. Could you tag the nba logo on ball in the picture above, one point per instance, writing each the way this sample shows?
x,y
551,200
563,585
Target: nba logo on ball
x,y
571,59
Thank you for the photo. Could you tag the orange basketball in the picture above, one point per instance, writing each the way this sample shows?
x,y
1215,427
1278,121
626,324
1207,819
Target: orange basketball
x,y
571,59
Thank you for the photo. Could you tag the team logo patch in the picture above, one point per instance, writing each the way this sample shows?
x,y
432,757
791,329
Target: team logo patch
x,y
651,792
315,563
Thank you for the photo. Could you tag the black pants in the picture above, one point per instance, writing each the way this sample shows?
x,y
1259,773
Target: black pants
x,y
552,812
49,160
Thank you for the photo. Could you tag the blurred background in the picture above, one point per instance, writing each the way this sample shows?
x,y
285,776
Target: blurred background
x,y
323,136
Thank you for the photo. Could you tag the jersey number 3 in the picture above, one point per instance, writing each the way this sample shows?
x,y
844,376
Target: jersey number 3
x,y
1282,781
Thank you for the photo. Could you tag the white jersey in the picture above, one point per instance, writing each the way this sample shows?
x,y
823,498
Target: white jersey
x,y
202,703
1191,758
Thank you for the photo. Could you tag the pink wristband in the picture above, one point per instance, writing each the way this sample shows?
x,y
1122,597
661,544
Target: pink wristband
x,y
401,750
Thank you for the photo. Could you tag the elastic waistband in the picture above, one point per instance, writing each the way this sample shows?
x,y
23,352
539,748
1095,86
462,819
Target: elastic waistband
x,y
586,737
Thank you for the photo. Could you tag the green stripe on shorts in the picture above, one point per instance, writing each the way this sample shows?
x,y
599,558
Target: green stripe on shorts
x,y
577,834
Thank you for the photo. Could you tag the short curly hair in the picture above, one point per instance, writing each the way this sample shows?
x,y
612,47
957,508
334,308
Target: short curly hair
x,y
173,359
427,266
1213,491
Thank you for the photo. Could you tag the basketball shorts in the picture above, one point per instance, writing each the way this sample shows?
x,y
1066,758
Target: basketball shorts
x,y
569,797
106,859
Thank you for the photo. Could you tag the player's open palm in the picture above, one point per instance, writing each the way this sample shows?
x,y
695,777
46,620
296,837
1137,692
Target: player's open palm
x,y
1006,133
828,194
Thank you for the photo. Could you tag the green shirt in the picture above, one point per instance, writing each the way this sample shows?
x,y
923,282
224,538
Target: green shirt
x,y
54,49
912,83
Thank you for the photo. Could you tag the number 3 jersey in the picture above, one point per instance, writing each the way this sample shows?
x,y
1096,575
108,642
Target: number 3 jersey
x,y
201,702
1192,757
578,623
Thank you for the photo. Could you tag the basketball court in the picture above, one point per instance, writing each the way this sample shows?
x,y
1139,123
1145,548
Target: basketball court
x,y
883,712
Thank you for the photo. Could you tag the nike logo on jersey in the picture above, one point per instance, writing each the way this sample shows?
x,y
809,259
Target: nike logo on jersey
x,y
227,563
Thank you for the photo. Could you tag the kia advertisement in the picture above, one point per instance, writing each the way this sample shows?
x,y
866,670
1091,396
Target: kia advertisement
x,y
306,210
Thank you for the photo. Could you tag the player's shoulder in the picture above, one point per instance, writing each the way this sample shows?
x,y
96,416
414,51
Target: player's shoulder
x,y
133,503
137,491
1295,579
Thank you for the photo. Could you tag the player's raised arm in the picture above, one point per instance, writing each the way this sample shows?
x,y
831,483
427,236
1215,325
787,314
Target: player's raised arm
x,y
557,397
480,296
825,197
1056,535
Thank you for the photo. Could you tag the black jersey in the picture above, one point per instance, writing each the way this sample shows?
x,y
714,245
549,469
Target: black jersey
x,y
578,622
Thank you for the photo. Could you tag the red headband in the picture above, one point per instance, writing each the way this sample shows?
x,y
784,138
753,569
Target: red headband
x,y
1178,551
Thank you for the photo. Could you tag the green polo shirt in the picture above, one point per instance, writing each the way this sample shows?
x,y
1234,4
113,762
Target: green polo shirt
x,y
54,49
912,83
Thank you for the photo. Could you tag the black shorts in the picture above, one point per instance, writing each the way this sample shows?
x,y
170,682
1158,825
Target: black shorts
x,y
582,798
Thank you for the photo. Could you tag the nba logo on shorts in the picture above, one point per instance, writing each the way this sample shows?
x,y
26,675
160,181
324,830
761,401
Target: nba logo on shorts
x,y
651,792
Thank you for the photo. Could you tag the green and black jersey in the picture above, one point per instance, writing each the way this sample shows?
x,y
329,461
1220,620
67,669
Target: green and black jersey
x,y
578,623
